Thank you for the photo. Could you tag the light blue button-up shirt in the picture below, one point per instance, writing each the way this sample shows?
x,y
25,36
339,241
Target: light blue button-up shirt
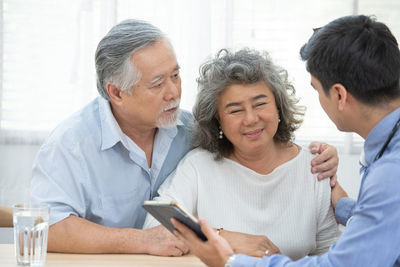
x,y
372,237
89,168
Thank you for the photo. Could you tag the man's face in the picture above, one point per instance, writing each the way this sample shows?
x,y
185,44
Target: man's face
x,y
154,101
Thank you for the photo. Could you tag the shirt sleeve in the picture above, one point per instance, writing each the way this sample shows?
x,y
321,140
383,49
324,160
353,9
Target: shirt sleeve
x,y
281,260
247,261
57,181
275,260
180,186
327,228
344,210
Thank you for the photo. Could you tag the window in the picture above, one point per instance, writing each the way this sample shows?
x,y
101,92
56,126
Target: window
x,y
47,51
283,29
47,64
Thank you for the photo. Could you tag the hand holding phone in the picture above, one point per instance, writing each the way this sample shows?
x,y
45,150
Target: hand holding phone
x,y
164,211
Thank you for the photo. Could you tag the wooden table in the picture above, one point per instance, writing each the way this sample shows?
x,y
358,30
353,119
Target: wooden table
x,y
7,258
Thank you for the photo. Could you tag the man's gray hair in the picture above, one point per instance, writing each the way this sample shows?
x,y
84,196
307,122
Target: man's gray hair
x,y
113,54
242,67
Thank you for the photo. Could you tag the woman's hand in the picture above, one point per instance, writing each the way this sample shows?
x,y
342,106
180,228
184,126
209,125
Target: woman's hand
x,y
253,245
326,163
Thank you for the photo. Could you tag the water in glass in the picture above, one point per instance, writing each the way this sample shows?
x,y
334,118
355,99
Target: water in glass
x,y
31,224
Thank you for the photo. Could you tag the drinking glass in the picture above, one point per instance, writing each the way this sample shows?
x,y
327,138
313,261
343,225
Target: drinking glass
x,y
31,226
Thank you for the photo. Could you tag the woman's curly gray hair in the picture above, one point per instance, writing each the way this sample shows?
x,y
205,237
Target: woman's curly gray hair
x,y
242,67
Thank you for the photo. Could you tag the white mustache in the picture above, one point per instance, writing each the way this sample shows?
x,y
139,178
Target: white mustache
x,y
173,104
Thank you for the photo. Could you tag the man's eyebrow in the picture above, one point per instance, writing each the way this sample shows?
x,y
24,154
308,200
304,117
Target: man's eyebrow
x,y
156,79
160,77
312,85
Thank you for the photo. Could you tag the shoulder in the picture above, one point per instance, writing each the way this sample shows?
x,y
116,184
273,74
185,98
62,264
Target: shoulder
x,y
184,126
322,188
198,156
194,164
302,162
186,117
80,126
198,159
305,155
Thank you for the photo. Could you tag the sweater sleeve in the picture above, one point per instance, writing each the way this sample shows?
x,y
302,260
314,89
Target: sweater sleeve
x,y
327,228
180,186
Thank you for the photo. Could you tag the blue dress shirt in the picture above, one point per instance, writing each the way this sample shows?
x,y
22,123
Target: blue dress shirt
x,y
89,168
372,236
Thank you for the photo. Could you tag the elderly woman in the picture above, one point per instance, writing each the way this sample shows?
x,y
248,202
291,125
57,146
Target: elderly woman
x,y
246,175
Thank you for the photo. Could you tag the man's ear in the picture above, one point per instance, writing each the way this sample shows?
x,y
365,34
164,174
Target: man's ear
x,y
114,92
341,95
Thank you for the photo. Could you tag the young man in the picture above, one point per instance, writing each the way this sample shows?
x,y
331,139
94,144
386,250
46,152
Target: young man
x,y
98,166
354,64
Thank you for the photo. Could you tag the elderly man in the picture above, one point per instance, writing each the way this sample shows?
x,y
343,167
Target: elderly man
x,y
98,166
354,64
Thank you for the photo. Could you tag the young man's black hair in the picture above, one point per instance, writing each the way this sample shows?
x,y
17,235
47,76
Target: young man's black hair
x,y
364,58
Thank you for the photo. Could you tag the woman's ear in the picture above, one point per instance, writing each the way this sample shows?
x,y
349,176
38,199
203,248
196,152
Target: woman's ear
x,y
114,92
217,118
339,92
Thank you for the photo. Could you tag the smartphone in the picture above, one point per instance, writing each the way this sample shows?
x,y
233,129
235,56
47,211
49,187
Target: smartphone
x,y
164,211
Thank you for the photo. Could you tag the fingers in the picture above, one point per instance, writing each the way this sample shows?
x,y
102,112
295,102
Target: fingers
x,y
174,252
207,229
181,246
273,249
187,236
171,242
265,248
171,239
325,170
181,237
315,147
329,153
326,163
184,232
333,180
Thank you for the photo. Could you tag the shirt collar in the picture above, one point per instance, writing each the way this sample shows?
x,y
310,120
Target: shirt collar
x,y
112,133
362,162
172,131
377,136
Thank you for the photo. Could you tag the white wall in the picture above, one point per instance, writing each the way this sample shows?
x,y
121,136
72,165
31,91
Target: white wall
x,y
348,173
15,172
16,162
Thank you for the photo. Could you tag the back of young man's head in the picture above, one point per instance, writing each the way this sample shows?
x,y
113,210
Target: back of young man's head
x,y
359,53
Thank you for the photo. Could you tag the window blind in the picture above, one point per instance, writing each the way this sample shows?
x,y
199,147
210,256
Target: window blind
x,y
47,68
47,50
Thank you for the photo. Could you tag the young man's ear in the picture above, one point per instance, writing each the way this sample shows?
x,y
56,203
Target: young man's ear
x,y
339,92
114,92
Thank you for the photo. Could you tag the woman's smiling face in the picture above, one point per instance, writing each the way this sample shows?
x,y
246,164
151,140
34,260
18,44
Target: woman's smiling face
x,y
248,116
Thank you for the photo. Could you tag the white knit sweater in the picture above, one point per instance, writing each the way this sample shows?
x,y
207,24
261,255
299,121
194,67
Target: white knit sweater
x,y
288,205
